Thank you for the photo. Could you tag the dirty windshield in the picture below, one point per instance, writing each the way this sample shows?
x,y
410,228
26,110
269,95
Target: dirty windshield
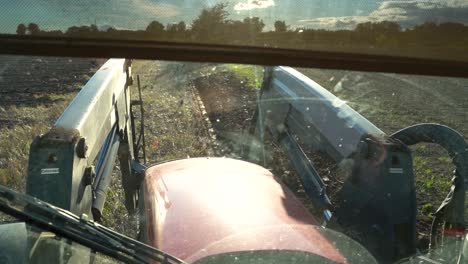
x,y
238,163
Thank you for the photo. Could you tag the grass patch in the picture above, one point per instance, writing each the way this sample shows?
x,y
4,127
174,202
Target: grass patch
x,y
20,124
251,74
433,170
115,214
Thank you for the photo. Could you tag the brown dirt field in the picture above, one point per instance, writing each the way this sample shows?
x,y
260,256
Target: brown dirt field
x,y
34,91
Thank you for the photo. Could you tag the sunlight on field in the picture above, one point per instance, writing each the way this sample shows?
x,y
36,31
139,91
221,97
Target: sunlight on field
x,y
252,74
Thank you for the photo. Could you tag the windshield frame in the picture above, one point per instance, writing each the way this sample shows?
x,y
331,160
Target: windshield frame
x,y
172,51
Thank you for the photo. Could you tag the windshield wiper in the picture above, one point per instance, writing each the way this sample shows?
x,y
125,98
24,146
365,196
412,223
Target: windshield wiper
x,y
81,230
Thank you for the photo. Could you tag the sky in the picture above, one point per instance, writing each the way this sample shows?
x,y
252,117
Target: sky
x,y
136,14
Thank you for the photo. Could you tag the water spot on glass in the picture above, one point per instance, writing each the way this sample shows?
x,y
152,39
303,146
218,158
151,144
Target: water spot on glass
x,y
341,139
301,30
242,82
389,194
393,94
28,73
308,127
338,102
340,145
307,108
345,114
350,123
331,79
213,69
217,120
338,87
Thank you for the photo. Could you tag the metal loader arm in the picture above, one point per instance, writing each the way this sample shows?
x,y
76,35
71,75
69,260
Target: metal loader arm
x,y
94,128
306,119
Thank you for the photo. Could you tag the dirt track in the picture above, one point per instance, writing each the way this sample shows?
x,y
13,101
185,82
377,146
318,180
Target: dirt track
x,y
230,105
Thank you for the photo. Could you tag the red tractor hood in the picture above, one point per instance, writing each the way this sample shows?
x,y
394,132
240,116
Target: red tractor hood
x,y
206,206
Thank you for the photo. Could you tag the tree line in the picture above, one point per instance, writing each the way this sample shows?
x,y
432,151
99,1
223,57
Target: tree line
x,y
213,26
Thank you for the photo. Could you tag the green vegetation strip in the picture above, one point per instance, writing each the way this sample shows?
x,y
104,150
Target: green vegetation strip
x,y
251,74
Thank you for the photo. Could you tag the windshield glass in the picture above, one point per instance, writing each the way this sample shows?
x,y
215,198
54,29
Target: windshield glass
x,y
22,242
433,29
309,158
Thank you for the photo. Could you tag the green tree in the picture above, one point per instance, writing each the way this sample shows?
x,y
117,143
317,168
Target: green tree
x,y
155,27
171,28
211,23
364,27
385,33
82,31
21,29
280,26
379,27
181,26
33,29
176,27
93,28
254,24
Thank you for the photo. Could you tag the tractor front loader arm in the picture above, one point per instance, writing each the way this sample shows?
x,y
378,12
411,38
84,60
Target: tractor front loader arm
x,y
71,165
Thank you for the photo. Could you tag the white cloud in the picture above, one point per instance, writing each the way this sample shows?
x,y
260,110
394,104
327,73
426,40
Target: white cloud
x,y
156,9
253,4
407,13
